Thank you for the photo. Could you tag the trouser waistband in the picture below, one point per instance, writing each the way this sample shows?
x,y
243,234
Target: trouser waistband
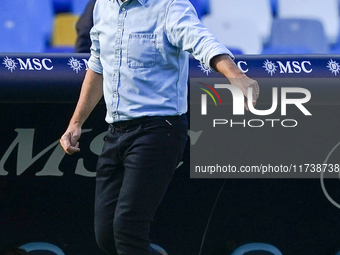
x,y
125,124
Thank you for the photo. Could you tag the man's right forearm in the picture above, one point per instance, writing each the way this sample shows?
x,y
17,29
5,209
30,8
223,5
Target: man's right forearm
x,y
91,93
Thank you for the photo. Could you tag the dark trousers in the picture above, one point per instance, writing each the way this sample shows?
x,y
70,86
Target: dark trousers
x,y
133,172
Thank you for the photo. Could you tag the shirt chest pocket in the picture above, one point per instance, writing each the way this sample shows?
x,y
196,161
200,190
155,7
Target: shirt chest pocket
x,y
141,51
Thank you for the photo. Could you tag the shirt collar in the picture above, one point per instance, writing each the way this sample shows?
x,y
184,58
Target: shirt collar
x,y
142,2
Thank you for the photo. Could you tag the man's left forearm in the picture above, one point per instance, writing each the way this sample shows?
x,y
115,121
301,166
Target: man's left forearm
x,y
225,65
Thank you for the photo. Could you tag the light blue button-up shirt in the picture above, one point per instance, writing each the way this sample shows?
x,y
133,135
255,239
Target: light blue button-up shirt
x,y
141,47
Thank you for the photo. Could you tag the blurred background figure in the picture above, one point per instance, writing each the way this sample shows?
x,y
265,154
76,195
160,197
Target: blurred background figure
x,y
83,27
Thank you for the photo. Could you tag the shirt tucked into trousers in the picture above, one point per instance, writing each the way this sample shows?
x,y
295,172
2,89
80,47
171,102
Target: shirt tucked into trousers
x,y
142,49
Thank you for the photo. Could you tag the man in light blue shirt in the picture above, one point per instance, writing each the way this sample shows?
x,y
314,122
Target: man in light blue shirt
x,y
139,62
138,54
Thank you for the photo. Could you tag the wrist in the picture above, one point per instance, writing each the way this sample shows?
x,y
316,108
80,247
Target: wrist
x,y
76,123
236,74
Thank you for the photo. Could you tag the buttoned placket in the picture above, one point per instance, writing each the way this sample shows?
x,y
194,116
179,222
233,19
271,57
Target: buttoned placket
x,y
118,59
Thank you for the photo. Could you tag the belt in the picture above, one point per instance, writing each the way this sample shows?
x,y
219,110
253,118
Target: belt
x,y
125,124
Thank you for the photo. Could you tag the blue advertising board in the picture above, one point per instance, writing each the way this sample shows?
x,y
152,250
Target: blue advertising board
x,y
47,196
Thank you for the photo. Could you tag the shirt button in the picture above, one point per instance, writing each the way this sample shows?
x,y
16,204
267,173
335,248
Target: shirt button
x,y
123,9
119,30
116,74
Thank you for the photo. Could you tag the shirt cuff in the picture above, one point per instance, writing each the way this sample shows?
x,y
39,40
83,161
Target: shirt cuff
x,y
215,52
95,64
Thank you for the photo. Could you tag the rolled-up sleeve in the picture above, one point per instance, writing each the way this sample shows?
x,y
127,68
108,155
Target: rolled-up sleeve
x,y
94,61
185,31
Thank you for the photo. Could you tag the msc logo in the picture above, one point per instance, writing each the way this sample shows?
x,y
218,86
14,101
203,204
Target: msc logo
x,y
28,64
75,64
287,67
333,66
10,64
242,65
52,155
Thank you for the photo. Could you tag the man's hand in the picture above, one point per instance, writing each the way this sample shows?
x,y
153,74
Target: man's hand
x,y
245,83
69,140
91,93
225,65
